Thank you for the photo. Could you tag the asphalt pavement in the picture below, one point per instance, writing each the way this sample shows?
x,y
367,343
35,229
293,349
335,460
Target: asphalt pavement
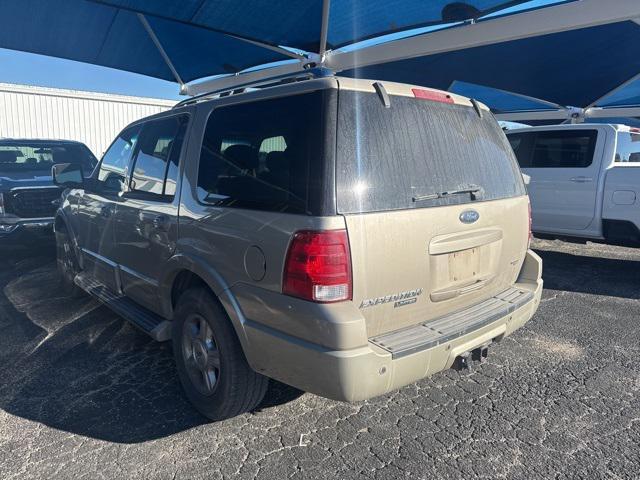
x,y
85,395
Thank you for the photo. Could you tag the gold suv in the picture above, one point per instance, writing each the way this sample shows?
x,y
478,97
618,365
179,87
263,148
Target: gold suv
x,y
346,237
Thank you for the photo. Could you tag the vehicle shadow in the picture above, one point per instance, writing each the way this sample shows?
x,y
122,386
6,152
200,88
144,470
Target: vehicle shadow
x,y
73,365
594,275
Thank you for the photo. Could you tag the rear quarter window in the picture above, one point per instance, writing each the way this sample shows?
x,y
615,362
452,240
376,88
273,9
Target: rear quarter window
x,y
266,155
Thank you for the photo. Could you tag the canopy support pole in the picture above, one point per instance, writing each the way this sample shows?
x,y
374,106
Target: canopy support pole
x,y
559,115
160,48
570,115
324,29
613,112
273,48
545,21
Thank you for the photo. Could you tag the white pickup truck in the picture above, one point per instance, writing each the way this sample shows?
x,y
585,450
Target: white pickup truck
x,y
585,180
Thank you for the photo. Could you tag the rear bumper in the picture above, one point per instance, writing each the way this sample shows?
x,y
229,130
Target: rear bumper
x,y
377,368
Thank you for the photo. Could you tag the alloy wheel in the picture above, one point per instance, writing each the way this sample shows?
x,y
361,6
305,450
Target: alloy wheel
x,y
201,355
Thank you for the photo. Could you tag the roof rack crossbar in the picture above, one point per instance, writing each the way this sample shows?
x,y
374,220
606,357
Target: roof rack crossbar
x,y
309,74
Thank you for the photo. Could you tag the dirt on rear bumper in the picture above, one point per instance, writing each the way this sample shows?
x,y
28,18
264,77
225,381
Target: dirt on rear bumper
x,y
385,365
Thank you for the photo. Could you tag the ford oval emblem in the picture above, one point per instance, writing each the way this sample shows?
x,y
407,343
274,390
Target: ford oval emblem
x,y
469,216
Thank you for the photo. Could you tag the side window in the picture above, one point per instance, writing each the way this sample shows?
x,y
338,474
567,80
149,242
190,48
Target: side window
x,y
521,144
628,149
564,149
155,169
268,145
257,155
113,167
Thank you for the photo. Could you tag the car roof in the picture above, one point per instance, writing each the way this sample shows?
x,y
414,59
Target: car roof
x,y
39,140
329,82
573,126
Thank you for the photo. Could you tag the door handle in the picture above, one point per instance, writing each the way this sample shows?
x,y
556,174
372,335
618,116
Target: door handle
x,y
581,179
161,222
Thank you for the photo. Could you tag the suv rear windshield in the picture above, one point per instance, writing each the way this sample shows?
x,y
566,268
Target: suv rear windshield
x,y
407,155
41,156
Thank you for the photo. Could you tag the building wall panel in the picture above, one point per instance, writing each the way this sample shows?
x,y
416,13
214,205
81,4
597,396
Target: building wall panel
x,y
92,118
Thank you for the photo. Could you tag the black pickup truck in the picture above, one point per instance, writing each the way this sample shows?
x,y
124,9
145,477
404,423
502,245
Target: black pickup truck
x,y
27,194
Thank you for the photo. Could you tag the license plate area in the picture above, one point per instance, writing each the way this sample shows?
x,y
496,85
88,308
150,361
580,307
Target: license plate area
x,y
464,266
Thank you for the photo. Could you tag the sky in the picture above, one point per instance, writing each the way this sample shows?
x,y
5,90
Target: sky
x,y
31,69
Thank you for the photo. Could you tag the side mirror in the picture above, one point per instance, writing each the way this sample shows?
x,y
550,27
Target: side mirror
x,y
68,175
526,178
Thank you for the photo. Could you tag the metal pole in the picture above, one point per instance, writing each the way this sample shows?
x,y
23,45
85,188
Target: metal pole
x,y
158,45
324,29
545,21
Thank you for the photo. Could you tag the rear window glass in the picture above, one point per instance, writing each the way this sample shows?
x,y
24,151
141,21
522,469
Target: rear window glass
x,y
628,149
260,155
41,156
554,149
409,155
564,149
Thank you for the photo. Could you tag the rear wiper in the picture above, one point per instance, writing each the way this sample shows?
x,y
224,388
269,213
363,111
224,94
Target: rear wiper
x,y
435,196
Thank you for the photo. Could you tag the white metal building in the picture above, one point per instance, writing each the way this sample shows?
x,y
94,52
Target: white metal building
x,y
52,113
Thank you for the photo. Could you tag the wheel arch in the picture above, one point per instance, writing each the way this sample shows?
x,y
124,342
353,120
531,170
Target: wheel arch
x,y
60,222
188,271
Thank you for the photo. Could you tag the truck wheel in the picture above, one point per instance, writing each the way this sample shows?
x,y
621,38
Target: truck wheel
x,y
211,364
67,263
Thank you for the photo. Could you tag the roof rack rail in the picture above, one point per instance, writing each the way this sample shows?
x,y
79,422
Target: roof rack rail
x,y
309,74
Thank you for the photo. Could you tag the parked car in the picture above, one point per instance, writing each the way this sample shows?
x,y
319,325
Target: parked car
x,y
27,192
585,180
346,237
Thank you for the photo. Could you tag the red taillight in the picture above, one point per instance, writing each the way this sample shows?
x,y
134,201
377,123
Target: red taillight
x,y
432,95
634,130
318,266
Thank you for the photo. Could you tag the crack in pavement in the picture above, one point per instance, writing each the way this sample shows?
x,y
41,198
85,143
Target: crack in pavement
x,y
84,395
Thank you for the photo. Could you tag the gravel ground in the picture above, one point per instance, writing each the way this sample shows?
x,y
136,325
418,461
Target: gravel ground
x,y
83,394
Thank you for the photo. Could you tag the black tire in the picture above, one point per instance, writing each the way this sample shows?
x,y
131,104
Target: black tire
x,y
67,263
211,365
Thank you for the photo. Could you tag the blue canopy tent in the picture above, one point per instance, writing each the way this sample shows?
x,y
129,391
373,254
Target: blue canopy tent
x,y
103,35
298,23
191,39
580,68
567,68
566,52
